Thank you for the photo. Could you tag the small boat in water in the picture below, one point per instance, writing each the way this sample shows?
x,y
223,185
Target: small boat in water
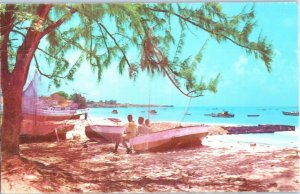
x,y
253,115
152,111
114,111
224,114
293,113
180,137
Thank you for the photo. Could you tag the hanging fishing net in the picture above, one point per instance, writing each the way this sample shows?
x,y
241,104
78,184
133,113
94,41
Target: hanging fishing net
x,y
43,118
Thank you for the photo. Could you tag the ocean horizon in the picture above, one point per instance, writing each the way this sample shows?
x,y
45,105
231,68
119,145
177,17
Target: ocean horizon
x,y
267,115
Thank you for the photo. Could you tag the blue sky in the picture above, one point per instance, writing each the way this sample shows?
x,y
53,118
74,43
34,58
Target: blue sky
x,y
244,80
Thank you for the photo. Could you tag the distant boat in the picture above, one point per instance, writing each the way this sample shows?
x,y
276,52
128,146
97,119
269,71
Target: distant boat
x,y
224,114
253,115
187,114
107,133
293,113
152,111
114,111
169,139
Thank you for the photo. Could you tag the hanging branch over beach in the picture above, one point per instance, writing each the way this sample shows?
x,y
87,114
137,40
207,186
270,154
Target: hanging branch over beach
x,y
102,33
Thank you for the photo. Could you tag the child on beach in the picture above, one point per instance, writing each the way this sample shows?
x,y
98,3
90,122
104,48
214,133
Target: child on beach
x,y
143,128
129,133
147,123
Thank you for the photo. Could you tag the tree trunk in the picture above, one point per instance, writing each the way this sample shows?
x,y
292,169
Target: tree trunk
x,y
11,120
12,83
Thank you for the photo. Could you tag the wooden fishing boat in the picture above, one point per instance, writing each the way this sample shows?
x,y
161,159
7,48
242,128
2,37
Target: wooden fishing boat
x,y
293,113
258,129
35,131
104,132
253,115
170,139
54,115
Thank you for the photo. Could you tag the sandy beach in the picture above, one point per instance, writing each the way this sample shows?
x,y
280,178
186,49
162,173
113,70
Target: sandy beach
x,y
81,165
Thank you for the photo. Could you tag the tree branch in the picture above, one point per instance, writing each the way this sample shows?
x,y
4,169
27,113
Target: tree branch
x,y
123,35
39,70
56,24
51,55
187,19
48,75
26,50
115,41
106,45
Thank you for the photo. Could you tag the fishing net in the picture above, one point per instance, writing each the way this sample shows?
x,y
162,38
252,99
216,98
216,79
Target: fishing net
x,y
30,100
43,120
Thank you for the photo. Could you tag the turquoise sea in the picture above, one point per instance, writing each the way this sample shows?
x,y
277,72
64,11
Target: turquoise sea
x,y
268,115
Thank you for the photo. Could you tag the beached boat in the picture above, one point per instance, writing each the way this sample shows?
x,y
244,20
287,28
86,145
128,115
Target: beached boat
x,y
54,115
115,120
170,139
34,131
294,113
114,111
224,114
104,132
258,129
253,115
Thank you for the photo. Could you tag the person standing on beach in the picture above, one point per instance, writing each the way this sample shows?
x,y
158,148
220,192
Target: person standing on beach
x,y
129,133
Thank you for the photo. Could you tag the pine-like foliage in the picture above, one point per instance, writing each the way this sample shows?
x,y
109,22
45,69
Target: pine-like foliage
x,y
103,33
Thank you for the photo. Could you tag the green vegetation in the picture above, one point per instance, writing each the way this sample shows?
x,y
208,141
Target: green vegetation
x,y
63,94
146,27
79,99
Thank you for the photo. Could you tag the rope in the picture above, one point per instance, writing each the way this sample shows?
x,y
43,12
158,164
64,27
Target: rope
x,y
185,112
149,86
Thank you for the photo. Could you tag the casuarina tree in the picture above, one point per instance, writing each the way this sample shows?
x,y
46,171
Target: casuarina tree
x,y
44,34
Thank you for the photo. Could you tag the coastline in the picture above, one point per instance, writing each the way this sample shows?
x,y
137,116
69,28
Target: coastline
x,y
80,165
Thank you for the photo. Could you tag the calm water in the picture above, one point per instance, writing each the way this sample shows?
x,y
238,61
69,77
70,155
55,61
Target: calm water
x,y
268,115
